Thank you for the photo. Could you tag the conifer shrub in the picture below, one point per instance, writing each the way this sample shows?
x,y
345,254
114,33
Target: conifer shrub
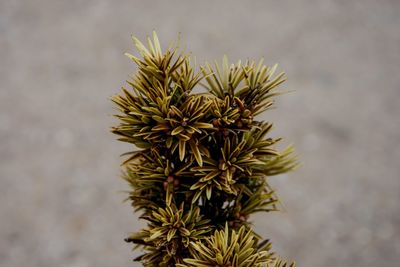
x,y
202,159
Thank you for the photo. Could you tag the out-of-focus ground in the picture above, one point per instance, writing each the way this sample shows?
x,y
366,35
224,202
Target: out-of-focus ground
x,y
60,61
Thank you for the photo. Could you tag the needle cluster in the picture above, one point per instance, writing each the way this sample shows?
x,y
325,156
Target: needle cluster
x,y
203,158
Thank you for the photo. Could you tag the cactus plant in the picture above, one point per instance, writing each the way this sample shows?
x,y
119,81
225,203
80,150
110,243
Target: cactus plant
x,y
202,158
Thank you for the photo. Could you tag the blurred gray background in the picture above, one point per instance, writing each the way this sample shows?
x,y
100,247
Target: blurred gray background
x,y
60,61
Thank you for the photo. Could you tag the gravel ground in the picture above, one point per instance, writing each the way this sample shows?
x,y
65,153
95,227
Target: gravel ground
x,y
60,195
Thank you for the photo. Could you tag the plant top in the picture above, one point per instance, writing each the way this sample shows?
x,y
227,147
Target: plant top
x,y
203,158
